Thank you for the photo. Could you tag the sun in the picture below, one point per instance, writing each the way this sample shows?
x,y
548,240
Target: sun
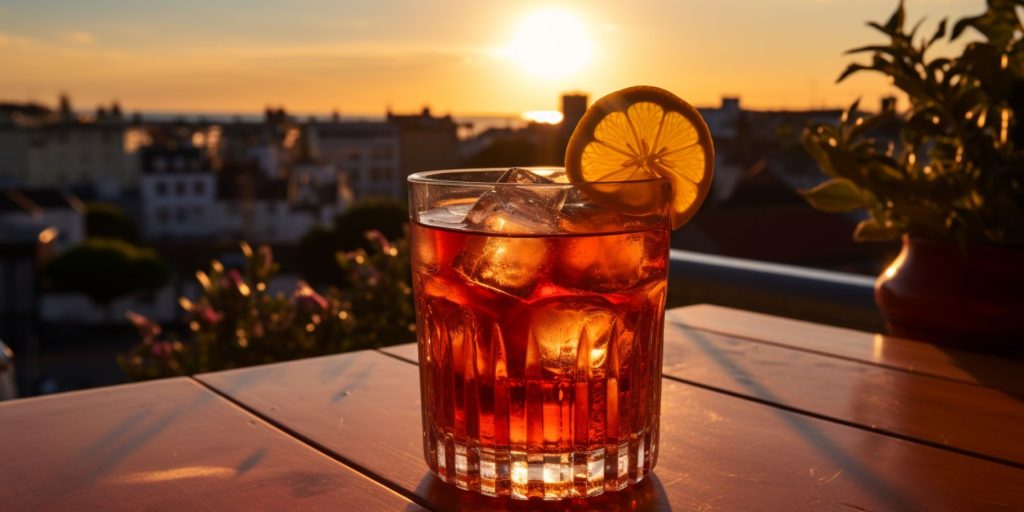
x,y
551,43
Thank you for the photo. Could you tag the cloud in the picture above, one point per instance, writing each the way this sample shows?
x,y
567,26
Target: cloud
x,y
349,50
78,37
10,40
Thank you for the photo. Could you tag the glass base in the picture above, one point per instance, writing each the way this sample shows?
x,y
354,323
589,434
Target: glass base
x,y
549,475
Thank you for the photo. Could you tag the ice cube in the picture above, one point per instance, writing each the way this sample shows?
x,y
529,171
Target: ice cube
x,y
520,175
569,333
518,209
586,218
512,265
449,216
606,263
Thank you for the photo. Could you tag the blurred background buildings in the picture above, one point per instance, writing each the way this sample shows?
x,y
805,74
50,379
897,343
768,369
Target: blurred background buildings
x,y
195,186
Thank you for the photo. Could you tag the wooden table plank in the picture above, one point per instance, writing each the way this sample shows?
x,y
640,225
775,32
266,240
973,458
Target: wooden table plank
x,y
165,445
908,355
718,451
943,412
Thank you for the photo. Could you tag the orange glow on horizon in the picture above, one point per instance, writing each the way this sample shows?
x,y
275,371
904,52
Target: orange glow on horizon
x,y
543,116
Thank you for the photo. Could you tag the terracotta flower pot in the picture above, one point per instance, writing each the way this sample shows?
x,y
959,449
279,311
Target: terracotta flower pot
x,y
969,297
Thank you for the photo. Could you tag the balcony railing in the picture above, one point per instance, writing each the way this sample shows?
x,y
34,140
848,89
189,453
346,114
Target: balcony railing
x,y
836,298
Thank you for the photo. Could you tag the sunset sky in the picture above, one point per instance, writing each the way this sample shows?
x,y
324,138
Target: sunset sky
x,y
458,56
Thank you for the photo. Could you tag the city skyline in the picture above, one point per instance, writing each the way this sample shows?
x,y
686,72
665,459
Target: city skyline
x,y
475,59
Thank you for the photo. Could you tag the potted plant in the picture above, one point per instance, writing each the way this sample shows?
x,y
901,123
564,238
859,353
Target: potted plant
x,y
949,178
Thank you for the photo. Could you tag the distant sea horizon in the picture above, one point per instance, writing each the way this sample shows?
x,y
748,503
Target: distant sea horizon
x,y
470,124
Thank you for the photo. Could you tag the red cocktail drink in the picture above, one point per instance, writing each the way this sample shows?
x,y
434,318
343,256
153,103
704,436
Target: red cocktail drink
x,y
540,321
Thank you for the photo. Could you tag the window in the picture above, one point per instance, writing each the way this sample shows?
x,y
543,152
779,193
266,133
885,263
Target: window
x,y
162,216
271,207
159,164
199,187
161,188
181,215
179,188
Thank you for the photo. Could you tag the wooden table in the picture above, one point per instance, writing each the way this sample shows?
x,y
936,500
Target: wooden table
x,y
758,413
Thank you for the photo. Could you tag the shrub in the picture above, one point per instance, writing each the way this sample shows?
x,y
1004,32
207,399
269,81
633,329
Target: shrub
x,y
236,322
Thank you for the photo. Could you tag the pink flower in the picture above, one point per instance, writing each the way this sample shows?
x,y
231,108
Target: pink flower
x,y
147,328
376,236
162,349
208,315
308,299
235,279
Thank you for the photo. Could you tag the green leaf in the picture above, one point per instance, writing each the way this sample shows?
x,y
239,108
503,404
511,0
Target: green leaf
x,y
872,230
895,22
939,32
962,24
872,48
836,195
868,123
853,68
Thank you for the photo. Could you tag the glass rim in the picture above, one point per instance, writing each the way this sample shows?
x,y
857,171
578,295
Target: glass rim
x,y
431,177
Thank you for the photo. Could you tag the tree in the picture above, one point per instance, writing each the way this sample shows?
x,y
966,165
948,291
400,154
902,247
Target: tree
x,y
388,216
318,249
104,220
105,269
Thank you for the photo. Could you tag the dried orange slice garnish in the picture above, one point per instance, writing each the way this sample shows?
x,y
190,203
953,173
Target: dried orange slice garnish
x,y
642,133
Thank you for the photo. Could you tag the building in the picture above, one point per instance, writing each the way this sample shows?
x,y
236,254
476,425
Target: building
x,y
65,149
366,158
258,210
177,191
15,148
35,225
17,121
43,214
573,107
426,142
270,143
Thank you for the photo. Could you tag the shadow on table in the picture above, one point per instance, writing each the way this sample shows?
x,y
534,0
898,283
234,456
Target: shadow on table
x,y
997,370
646,495
808,429
140,431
